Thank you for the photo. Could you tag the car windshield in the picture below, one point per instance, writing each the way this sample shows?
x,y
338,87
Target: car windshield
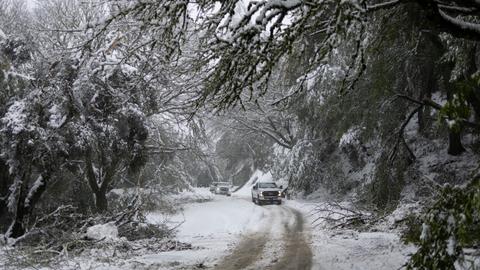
x,y
267,185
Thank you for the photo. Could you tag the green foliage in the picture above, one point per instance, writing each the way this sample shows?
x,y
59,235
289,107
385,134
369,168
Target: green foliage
x,y
457,108
449,226
413,230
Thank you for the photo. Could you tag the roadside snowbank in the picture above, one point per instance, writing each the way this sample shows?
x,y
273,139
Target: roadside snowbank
x,y
221,216
257,176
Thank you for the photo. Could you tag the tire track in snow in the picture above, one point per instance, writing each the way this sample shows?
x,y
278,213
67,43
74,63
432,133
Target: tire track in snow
x,y
245,253
278,220
251,251
250,248
297,255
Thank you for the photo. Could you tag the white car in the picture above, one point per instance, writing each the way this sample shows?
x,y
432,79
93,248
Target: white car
x,y
214,186
223,190
266,192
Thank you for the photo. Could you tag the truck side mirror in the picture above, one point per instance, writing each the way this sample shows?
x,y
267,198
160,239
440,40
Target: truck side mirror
x,y
281,187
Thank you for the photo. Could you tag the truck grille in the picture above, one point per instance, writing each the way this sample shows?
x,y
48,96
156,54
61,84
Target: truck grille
x,y
223,189
270,193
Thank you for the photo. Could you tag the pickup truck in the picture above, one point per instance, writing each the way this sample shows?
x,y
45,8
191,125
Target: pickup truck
x,y
266,192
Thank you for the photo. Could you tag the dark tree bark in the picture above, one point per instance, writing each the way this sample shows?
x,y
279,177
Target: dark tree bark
x,y
474,101
101,202
99,183
424,112
472,66
455,146
100,198
17,226
5,182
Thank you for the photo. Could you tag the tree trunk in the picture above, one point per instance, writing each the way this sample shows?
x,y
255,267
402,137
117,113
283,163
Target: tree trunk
x,y
100,197
455,146
5,181
16,228
472,66
474,101
424,120
101,202
23,210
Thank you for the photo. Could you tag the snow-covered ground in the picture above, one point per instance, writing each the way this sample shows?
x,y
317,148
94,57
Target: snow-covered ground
x,y
230,233
217,227
213,227
347,249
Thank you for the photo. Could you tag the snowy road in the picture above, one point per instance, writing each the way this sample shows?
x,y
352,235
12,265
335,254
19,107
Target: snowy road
x,y
283,232
234,233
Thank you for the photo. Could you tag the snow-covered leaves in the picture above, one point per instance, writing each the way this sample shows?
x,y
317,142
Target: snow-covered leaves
x,y
16,118
57,117
298,166
250,43
449,225
351,137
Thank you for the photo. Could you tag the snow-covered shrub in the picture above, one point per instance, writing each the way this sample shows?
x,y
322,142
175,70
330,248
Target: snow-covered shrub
x,y
449,226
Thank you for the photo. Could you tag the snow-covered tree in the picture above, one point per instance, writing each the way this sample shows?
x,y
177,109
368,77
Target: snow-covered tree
x,y
80,102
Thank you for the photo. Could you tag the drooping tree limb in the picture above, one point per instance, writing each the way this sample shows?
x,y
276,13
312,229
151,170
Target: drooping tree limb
x,y
270,133
459,27
400,136
436,106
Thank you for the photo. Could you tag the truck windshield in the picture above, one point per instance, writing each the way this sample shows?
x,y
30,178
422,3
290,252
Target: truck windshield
x,y
267,185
